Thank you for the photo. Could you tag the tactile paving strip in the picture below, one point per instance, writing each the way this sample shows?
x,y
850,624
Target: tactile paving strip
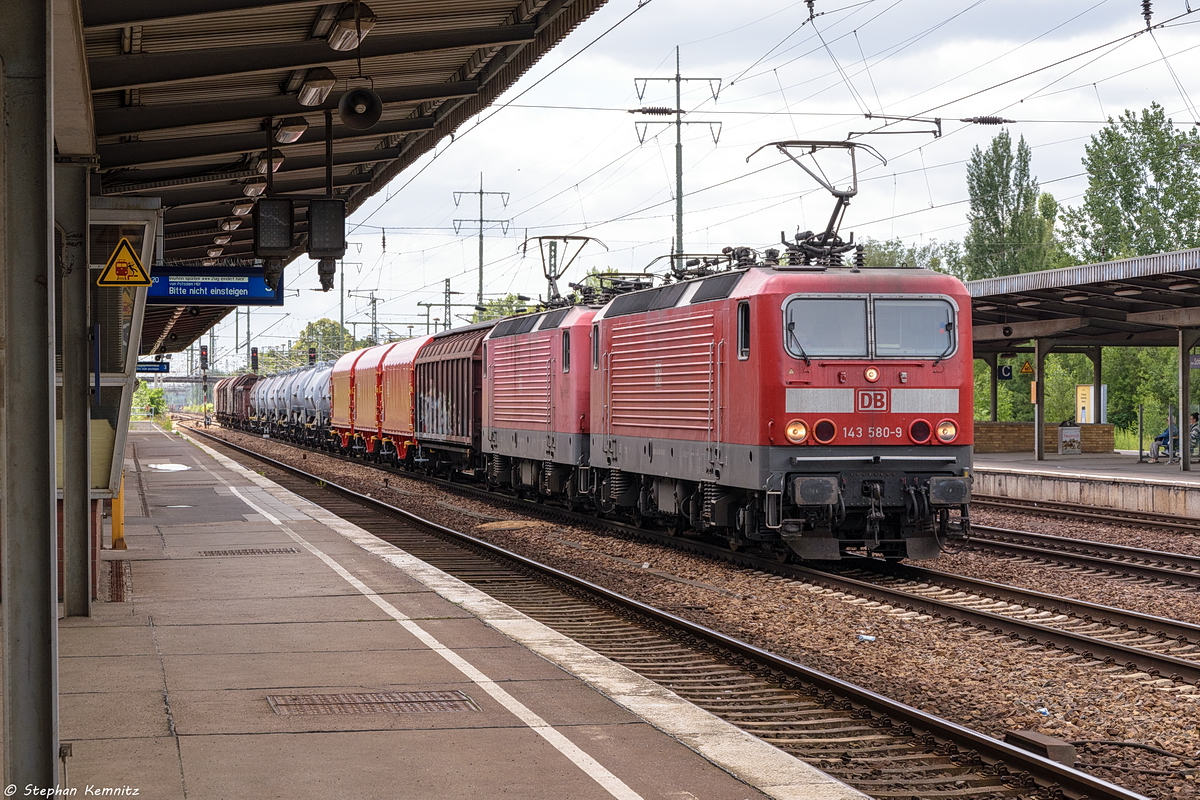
x,y
265,551
370,703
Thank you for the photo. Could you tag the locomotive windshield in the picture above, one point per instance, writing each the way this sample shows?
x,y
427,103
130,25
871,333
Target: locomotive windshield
x,y
852,327
912,327
828,326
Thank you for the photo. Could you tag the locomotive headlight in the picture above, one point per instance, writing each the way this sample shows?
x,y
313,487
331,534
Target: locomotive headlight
x,y
797,431
947,431
871,374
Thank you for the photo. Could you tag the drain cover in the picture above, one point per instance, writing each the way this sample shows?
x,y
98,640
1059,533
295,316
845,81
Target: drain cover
x,y
267,551
370,703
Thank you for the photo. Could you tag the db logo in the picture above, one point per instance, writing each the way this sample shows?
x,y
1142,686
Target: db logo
x,y
871,400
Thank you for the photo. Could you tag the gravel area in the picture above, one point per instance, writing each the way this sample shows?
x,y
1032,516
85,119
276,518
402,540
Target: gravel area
x,y
979,680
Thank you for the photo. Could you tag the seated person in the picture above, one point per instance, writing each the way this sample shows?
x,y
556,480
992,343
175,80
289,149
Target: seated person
x,y
1194,434
1160,443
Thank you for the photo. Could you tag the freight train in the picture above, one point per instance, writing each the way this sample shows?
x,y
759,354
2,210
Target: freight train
x,y
796,408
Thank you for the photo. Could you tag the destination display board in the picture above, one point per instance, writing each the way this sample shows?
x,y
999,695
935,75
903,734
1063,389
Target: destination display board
x,y
212,286
154,366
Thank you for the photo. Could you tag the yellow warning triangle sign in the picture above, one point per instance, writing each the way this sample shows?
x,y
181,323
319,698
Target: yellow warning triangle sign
x,y
1027,368
124,268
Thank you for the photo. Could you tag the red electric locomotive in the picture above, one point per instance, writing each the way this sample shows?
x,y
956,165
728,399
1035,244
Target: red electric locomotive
x,y
807,409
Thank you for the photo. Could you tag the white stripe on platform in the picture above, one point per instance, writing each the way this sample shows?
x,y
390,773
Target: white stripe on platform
x,y
594,769
763,766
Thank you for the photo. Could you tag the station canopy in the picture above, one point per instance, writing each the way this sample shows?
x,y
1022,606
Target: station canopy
x,y
1141,301
179,98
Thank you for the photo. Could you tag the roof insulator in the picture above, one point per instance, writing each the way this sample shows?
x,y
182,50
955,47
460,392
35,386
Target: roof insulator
x,y
988,120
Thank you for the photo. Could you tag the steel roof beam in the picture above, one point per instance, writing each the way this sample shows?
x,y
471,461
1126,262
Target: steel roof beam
x,y
138,119
204,238
128,154
229,194
145,180
175,217
151,69
1174,317
107,14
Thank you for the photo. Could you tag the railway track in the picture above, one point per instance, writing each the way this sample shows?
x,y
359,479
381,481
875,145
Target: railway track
x,y
1105,637
1145,519
1167,569
1158,646
882,747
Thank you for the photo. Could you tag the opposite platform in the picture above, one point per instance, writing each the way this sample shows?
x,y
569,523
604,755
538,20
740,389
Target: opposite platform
x,y
1117,480
248,608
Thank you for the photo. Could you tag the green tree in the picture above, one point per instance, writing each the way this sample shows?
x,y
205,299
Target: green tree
x,y
501,307
153,399
328,337
1143,194
1009,231
943,257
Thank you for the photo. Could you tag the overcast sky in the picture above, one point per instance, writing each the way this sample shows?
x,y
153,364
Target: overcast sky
x,y
564,148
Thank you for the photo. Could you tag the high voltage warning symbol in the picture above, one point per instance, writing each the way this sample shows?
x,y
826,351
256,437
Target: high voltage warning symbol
x,y
124,268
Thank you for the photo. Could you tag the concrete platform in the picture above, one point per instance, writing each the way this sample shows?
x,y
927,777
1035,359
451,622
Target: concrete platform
x,y
1115,480
170,693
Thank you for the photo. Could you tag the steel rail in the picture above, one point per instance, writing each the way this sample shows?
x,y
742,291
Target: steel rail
x,y
1052,508
1090,554
1070,781
1088,612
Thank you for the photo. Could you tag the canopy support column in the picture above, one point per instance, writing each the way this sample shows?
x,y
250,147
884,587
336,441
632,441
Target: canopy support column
x,y
27,501
71,215
1187,340
991,360
1042,348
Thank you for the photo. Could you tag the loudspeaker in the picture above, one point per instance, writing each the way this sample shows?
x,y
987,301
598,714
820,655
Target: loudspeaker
x,y
360,109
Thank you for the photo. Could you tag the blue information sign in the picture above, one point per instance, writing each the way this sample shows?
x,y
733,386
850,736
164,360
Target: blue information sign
x,y
1004,373
154,366
174,285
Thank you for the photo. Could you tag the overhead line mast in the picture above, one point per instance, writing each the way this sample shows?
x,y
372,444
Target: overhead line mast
x,y
458,223
679,123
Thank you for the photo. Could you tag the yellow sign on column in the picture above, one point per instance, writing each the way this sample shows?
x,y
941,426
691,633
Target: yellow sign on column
x,y
124,268
1027,368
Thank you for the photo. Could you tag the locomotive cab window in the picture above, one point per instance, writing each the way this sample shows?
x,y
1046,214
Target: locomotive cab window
x,y
826,326
743,331
595,347
566,351
914,327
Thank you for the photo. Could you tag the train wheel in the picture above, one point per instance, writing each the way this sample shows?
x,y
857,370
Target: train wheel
x,y
780,552
673,526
